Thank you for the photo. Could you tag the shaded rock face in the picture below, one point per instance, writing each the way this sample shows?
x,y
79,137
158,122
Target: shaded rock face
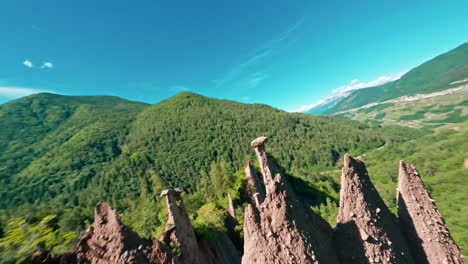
x,y
366,232
421,222
225,252
180,235
108,241
179,232
253,185
281,229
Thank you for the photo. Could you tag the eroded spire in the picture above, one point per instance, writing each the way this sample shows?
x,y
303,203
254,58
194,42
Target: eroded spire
x,y
421,222
366,229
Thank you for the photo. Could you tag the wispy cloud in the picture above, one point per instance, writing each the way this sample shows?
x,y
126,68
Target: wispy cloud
x,y
244,72
256,78
17,92
28,63
47,64
180,88
343,91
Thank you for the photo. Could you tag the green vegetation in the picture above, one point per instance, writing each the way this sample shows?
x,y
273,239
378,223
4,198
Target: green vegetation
x,y
62,155
209,223
380,115
439,159
429,112
415,116
432,76
23,240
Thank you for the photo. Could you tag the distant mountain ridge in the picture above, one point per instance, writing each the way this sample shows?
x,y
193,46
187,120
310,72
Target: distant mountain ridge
x,y
445,71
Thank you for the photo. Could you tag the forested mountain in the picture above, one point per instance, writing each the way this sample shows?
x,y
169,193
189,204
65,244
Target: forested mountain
x,y
440,73
64,154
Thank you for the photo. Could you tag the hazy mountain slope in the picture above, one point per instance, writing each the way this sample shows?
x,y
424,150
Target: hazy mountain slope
x,y
428,112
434,75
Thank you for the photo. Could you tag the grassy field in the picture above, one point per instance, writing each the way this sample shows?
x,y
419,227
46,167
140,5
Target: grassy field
x,y
431,112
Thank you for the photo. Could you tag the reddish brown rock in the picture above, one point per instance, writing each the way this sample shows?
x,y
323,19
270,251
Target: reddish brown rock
x,y
421,222
224,251
367,232
253,184
108,241
281,229
179,233
265,166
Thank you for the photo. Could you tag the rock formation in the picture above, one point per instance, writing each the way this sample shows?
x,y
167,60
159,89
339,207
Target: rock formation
x,y
278,228
225,252
179,232
108,241
254,187
281,229
421,222
180,235
231,210
366,232
265,166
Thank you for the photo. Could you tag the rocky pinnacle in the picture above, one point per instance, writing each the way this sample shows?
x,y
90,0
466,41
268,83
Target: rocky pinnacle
x,y
280,229
108,241
265,167
253,185
421,222
231,210
179,232
366,232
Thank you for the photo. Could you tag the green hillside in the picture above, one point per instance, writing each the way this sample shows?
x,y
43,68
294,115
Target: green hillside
x,y
430,112
434,75
439,158
63,155
38,124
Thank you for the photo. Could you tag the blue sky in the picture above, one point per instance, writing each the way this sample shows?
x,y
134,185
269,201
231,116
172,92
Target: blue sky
x,y
287,54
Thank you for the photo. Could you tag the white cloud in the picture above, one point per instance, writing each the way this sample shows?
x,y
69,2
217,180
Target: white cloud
x,y
17,92
345,90
306,108
28,63
47,64
44,65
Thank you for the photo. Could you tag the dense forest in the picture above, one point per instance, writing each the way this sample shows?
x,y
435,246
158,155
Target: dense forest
x,y
62,155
